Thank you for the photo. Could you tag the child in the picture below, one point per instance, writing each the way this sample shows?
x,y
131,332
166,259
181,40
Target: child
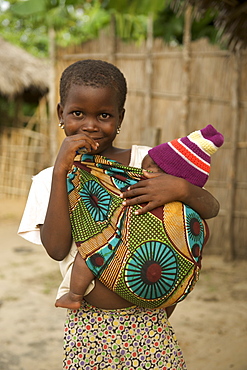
x,y
188,158
105,332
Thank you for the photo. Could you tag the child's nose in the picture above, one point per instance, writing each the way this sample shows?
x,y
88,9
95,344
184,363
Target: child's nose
x,y
89,124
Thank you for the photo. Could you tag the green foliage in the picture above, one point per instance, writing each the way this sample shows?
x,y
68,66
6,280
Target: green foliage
x,y
26,23
29,7
9,107
135,7
131,27
7,111
84,26
204,27
22,32
169,26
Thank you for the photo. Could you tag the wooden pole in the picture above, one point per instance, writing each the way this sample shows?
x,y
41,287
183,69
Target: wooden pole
x,y
149,134
186,69
235,104
113,44
149,69
52,99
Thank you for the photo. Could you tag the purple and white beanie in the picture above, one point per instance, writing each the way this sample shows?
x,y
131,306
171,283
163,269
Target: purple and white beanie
x,y
189,157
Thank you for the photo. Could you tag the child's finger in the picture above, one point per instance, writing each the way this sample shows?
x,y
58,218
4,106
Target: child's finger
x,y
83,140
132,191
136,200
147,208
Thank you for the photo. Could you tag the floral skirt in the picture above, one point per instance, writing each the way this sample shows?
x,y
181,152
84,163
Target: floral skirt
x,y
127,339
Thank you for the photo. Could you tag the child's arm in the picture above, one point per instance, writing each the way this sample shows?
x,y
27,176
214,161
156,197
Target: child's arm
x,y
56,230
161,188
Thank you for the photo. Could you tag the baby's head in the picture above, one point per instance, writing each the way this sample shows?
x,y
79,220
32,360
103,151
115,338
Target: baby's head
x,y
150,165
93,73
188,157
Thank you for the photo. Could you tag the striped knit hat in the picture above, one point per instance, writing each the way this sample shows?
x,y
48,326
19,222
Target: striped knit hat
x,y
189,156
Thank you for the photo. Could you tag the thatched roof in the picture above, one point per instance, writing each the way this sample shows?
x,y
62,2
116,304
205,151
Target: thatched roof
x,y
21,71
231,18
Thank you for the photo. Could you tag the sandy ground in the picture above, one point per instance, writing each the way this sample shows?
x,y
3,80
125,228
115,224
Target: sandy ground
x,y
211,324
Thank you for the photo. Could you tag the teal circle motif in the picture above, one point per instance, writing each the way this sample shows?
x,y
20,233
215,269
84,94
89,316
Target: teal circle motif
x,y
195,232
96,199
152,270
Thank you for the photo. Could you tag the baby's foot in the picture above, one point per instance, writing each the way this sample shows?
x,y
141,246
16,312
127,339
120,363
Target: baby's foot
x,y
69,300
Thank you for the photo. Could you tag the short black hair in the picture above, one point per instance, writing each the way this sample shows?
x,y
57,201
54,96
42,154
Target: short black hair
x,y
95,73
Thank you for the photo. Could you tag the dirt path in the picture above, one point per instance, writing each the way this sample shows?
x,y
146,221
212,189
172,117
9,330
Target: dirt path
x,y
211,324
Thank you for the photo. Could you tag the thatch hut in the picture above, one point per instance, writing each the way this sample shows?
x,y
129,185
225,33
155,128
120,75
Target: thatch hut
x,y
23,79
21,73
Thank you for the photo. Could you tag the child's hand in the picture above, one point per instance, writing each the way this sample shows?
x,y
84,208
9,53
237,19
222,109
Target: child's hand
x,y
160,189
68,150
157,190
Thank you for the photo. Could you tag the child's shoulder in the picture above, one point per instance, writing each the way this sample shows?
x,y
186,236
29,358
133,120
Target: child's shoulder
x,y
44,175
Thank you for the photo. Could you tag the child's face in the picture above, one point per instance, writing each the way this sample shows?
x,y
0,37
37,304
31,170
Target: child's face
x,y
92,111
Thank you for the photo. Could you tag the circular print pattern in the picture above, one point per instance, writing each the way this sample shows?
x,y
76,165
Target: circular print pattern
x,y
97,260
152,270
195,232
96,199
131,339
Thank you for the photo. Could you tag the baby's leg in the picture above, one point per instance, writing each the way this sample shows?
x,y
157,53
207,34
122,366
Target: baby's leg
x,y
81,277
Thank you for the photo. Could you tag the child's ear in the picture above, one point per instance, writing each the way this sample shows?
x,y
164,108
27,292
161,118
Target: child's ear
x,y
60,111
121,115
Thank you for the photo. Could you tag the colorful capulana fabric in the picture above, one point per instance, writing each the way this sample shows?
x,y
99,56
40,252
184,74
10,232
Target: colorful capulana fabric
x,y
151,260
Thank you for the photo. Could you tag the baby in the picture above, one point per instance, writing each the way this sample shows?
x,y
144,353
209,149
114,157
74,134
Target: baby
x,y
188,158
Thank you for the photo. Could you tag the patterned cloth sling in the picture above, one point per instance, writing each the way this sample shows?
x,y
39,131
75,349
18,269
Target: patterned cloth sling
x,y
151,260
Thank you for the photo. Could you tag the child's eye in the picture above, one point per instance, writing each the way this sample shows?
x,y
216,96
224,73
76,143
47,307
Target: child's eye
x,y
77,113
104,115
